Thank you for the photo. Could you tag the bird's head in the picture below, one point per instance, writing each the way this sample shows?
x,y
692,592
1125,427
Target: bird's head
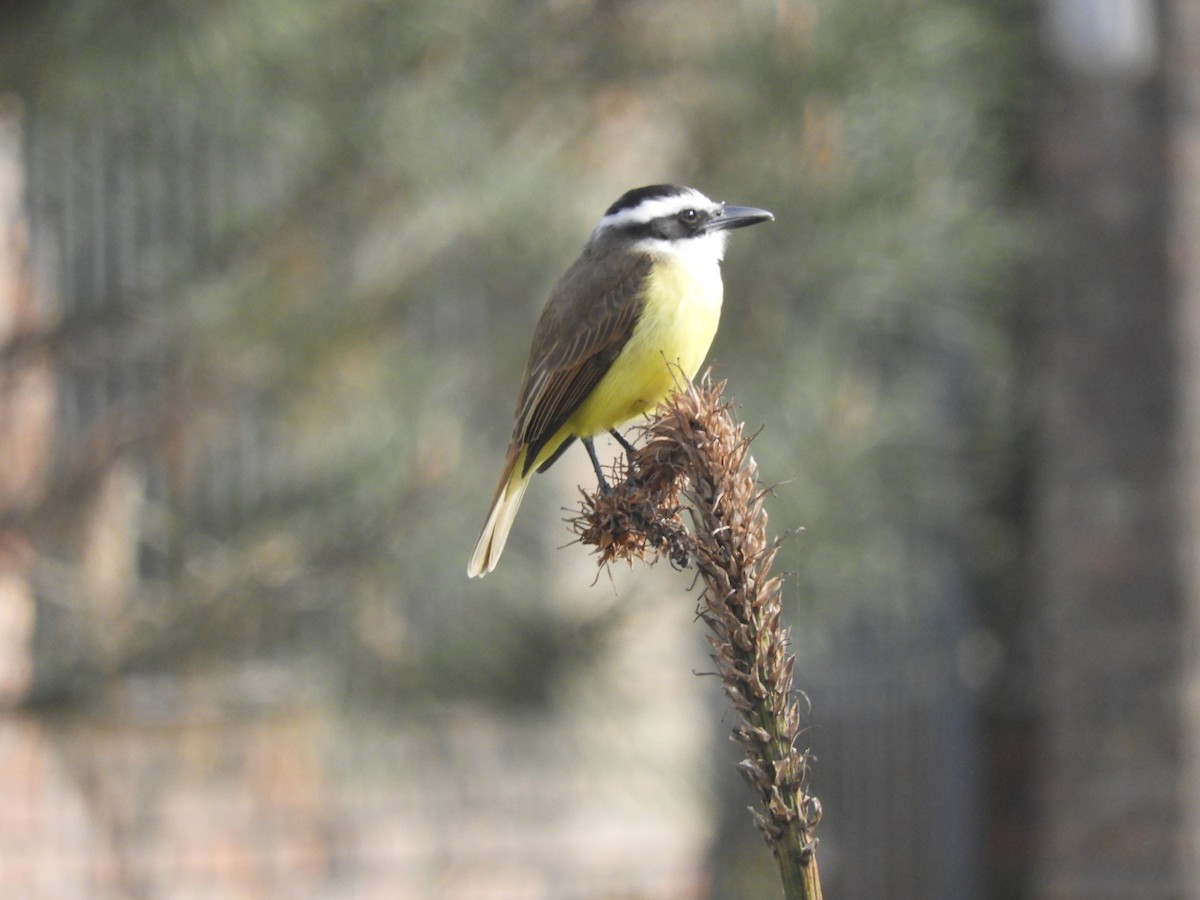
x,y
669,218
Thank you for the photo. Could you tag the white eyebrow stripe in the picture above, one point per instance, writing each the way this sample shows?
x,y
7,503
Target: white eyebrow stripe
x,y
649,210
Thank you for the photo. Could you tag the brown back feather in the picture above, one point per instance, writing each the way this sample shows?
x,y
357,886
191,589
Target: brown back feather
x,y
587,321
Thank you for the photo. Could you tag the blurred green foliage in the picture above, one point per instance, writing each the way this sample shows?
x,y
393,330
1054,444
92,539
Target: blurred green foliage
x,y
421,171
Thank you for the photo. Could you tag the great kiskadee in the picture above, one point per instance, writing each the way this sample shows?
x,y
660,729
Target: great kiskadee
x,y
639,306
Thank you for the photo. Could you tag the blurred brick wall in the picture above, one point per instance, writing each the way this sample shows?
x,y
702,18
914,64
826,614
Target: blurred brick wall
x,y
178,797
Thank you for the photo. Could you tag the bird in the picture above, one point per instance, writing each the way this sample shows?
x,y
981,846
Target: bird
x,y
637,308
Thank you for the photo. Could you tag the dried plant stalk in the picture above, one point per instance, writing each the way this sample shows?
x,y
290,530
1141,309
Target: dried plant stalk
x,y
695,458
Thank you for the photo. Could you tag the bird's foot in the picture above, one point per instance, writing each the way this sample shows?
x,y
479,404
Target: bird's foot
x,y
620,439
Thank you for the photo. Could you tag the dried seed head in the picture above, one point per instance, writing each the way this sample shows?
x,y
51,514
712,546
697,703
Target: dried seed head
x,y
695,458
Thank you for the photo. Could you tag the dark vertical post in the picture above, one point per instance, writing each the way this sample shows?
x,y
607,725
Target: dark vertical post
x,y
1103,375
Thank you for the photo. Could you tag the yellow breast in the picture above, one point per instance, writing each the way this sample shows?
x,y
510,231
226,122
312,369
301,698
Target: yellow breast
x,y
676,328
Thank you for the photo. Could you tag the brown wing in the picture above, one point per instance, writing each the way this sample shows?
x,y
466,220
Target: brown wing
x,y
588,319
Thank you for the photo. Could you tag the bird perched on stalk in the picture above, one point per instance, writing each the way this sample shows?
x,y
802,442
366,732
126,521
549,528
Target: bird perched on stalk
x,y
637,308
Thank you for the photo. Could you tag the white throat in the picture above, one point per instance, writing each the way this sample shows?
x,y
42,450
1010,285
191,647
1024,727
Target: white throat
x,y
699,252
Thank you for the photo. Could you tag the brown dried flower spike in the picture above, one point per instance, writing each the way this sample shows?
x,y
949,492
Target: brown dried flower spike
x,y
696,458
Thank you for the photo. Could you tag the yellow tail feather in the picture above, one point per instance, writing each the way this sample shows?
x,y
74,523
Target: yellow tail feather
x,y
499,521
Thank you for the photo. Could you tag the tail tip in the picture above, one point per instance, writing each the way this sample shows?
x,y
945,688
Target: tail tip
x,y
482,560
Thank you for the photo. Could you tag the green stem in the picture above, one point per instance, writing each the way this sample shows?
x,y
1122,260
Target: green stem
x,y
798,871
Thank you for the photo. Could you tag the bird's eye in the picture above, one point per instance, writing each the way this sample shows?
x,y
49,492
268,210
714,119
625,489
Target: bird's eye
x,y
689,217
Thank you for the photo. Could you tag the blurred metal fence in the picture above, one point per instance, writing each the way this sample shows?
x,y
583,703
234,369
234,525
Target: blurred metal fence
x,y
897,768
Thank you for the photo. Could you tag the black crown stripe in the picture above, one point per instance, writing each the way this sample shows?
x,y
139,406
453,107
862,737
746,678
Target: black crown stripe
x,y
637,196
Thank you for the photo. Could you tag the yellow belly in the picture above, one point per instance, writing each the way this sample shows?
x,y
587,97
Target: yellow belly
x,y
676,328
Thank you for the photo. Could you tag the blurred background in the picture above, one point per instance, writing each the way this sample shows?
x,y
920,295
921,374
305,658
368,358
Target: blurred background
x,y
268,271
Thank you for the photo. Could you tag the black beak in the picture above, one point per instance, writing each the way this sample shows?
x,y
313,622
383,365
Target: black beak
x,y
738,217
